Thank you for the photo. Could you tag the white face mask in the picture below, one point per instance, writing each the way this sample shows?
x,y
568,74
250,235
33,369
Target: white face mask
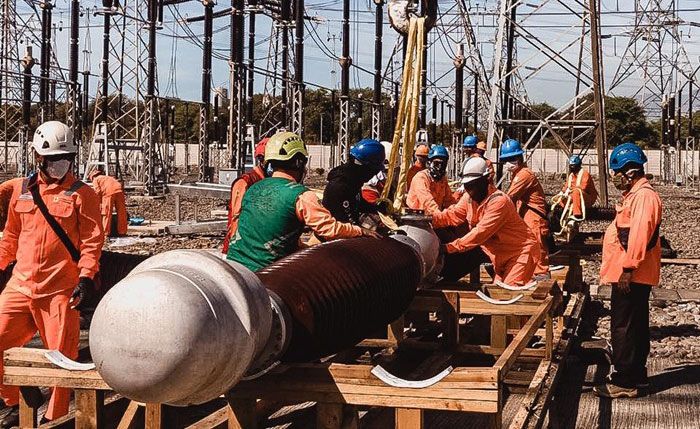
x,y
57,169
511,167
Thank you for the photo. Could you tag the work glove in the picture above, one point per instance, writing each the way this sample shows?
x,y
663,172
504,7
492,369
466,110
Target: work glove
x,y
82,294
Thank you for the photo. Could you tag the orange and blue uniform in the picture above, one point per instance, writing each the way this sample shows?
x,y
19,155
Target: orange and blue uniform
x,y
37,295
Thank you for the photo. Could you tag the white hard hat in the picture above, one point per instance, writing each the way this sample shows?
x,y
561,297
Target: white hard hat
x,y
473,169
54,138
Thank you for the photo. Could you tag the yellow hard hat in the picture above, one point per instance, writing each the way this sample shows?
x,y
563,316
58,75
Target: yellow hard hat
x,y
283,146
481,145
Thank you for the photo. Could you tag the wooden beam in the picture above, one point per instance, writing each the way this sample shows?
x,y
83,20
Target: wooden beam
x,y
242,413
89,408
408,418
154,416
28,415
129,415
520,341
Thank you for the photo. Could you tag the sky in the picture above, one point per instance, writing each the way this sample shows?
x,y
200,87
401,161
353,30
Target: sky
x,y
179,53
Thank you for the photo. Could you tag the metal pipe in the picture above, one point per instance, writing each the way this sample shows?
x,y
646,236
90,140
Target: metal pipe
x,y
204,170
211,321
345,62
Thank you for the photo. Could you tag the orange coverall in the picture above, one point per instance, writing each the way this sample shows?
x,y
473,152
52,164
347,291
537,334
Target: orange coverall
x,y
111,194
501,233
37,295
6,189
238,188
428,195
640,211
415,168
580,184
527,194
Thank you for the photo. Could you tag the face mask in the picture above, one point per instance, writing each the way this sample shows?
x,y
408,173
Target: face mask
x,y
269,170
511,167
437,171
57,169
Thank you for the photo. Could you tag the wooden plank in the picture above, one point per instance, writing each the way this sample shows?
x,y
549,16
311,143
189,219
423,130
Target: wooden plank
x,y
241,413
50,377
520,341
450,314
680,261
457,391
408,418
549,337
89,408
659,294
476,405
395,330
129,415
329,416
28,416
196,228
154,416
689,295
498,332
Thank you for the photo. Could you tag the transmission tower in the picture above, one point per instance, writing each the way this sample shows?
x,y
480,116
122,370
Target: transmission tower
x,y
655,62
126,129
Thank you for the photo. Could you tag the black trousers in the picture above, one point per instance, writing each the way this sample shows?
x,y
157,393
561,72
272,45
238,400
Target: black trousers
x,y
458,265
629,329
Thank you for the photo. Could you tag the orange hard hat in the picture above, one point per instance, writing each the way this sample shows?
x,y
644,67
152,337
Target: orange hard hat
x,y
260,147
481,145
422,150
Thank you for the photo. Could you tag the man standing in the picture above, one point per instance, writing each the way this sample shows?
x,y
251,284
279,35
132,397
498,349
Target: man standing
x,y
276,209
238,189
54,234
632,264
580,188
493,224
527,194
429,189
111,194
342,195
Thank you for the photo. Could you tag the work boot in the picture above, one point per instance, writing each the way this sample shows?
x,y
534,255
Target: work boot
x,y
11,419
609,390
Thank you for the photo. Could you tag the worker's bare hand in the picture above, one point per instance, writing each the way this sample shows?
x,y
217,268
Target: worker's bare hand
x,y
369,233
623,284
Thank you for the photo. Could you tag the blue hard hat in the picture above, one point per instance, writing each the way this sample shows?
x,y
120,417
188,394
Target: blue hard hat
x,y
368,152
438,151
626,153
510,148
470,142
575,160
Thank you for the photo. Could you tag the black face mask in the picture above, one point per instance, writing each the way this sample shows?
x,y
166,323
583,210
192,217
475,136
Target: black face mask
x,y
437,169
574,168
478,189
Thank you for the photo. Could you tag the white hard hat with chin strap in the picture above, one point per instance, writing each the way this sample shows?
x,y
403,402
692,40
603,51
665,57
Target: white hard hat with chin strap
x,y
473,169
54,138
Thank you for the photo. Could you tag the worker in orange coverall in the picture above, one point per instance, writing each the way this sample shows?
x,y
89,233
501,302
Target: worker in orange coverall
x,y
579,185
494,225
49,284
112,199
6,189
632,264
421,163
527,194
430,190
238,188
